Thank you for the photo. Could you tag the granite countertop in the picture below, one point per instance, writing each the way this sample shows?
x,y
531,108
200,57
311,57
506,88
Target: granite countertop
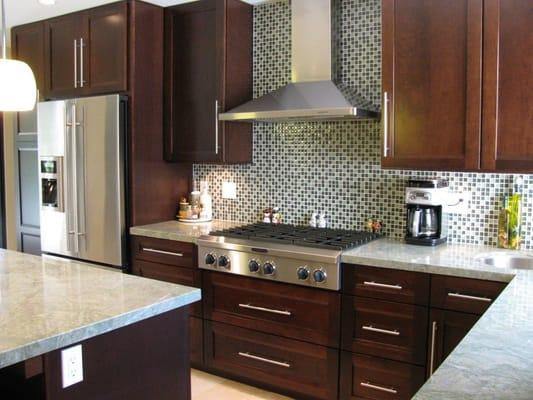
x,y
47,303
179,231
495,359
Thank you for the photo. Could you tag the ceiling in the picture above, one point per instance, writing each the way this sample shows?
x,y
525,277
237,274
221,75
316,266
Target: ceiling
x,y
23,11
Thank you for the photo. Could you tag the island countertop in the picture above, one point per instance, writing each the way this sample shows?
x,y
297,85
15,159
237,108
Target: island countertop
x,y
47,303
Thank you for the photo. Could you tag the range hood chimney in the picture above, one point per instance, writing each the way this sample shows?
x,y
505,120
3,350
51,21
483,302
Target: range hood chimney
x,y
313,93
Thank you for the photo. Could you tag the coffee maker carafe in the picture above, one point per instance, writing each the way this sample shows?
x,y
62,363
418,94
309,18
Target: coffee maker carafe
x,y
426,219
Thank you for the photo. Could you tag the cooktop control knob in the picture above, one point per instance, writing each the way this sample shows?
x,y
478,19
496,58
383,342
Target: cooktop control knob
x,y
210,259
269,268
303,273
224,262
319,275
254,266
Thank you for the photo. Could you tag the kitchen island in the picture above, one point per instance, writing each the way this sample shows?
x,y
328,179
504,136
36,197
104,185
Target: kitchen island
x,y
132,330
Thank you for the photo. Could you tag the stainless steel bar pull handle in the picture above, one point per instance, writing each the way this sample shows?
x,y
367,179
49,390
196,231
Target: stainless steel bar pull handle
x,y
268,310
217,122
82,45
432,350
265,360
378,330
468,297
75,178
385,124
378,387
75,63
168,253
382,285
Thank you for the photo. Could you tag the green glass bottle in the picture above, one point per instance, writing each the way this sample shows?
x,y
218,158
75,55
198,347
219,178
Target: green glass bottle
x,y
510,222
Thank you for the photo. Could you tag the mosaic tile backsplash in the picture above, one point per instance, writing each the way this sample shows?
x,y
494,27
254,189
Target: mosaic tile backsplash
x,y
334,167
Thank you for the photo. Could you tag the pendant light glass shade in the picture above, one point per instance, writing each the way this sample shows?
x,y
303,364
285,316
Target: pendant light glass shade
x,y
18,90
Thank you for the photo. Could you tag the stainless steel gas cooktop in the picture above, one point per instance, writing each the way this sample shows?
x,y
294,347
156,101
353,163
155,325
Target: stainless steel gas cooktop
x,y
284,253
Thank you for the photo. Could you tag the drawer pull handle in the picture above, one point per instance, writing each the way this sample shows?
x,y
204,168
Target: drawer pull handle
x,y
168,253
380,388
385,331
265,360
383,285
434,328
269,310
467,297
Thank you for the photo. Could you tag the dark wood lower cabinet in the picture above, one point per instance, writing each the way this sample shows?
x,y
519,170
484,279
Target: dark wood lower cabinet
x,y
290,311
196,333
384,329
446,330
301,370
364,377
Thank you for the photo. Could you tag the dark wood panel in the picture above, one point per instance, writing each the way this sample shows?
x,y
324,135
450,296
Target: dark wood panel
x,y
106,59
432,74
170,273
285,310
384,329
297,368
364,377
29,185
196,332
446,330
386,284
155,186
208,68
27,42
146,360
462,294
62,75
508,86
164,251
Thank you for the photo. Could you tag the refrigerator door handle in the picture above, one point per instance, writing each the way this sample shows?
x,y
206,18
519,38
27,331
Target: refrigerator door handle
x,y
74,186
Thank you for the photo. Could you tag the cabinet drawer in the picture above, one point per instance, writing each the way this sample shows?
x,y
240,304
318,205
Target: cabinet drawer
x,y
460,294
295,312
164,251
196,332
169,273
386,284
384,329
364,377
297,368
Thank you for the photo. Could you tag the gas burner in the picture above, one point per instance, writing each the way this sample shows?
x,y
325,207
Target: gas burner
x,y
319,238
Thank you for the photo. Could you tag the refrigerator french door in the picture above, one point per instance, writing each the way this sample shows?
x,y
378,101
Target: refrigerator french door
x,y
81,162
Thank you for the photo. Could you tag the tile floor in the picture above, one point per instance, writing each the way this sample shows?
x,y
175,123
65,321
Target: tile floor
x,y
210,387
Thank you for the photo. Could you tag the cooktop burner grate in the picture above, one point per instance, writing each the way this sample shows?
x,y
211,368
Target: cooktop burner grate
x,y
321,238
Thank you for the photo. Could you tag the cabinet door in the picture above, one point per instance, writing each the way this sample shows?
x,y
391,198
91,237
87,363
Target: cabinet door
x,y
446,330
432,84
193,39
62,38
508,86
28,46
208,68
105,63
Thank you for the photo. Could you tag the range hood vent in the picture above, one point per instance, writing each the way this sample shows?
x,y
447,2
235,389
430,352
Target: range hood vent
x,y
313,93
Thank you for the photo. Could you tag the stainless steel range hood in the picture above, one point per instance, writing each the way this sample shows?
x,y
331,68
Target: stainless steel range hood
x,y
313,93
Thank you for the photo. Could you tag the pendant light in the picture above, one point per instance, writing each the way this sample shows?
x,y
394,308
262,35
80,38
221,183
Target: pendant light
x,y
18,90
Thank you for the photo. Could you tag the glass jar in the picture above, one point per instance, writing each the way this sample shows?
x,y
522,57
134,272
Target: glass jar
x,y
510,222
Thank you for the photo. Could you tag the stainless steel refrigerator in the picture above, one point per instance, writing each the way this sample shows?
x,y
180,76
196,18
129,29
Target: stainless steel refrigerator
x,y
82,176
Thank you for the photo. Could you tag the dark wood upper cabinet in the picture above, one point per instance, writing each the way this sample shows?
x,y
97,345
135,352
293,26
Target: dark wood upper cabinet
x,y
432,53
508,86
28,46
87,52
107,52
208,69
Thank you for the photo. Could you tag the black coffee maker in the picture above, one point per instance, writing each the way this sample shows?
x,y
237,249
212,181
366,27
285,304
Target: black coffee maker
x,y
426,220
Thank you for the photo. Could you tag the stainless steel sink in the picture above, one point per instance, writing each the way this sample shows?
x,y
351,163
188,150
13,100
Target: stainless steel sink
x,y
506,260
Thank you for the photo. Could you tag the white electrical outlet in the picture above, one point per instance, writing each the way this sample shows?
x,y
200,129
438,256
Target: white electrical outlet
x,y
229,190
458,202
72,365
